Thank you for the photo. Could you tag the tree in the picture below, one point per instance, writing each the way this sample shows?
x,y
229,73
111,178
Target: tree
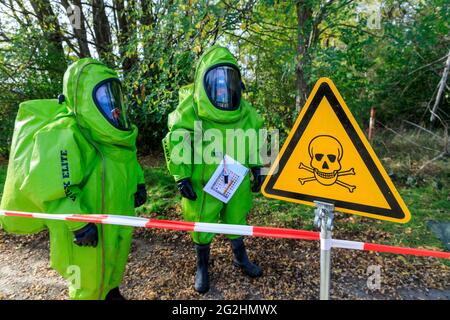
x,y
49,24
78,30
283,48
102,31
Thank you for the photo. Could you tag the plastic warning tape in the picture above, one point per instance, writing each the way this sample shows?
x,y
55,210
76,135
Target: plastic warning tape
x,y
232,229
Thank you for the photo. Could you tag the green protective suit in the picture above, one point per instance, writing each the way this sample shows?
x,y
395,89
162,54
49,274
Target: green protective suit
x,y
194,105
67,158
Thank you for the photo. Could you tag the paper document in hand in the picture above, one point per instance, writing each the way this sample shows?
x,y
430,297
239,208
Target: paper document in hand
x,y
218,186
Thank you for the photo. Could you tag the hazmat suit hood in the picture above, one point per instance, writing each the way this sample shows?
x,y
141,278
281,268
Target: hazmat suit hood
x,y
214,56
81,81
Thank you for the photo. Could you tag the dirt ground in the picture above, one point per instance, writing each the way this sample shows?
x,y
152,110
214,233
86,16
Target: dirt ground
x,y
162,266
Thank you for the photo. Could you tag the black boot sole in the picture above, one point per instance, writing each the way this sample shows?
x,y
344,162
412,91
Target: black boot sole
x,y
201,291
238,265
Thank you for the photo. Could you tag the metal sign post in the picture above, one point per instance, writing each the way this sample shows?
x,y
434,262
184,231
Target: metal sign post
x,y
324,215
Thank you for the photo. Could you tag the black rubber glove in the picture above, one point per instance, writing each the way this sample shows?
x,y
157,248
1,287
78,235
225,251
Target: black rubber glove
x,y
258,179
140,197
186,189
86,236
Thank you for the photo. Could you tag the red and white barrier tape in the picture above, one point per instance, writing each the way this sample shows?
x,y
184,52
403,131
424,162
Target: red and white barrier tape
x,y
226,229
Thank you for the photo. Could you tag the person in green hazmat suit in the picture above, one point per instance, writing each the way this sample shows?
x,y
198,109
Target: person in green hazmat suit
x,y
77,155
213,106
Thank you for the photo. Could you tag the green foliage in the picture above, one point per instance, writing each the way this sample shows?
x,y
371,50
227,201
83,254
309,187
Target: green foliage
x,y
267,51
162,191
395,68
170,47
29,69
3,169
384,68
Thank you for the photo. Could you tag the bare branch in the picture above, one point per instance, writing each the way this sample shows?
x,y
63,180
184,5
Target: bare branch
x,y
442,84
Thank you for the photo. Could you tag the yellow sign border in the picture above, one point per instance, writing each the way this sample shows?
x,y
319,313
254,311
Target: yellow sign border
x,y
382,171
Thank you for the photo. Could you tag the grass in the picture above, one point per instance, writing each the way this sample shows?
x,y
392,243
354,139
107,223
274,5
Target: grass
x,y
426,202
425,192
426,195
162,190
2,177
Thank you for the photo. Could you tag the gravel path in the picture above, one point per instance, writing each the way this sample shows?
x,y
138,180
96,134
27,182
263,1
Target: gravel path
x,y
25,271
162,266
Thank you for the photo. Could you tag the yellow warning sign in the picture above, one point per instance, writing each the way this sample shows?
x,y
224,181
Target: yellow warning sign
x,y
326,157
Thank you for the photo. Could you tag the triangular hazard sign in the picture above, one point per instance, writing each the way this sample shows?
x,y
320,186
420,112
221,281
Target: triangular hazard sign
x,y
326,157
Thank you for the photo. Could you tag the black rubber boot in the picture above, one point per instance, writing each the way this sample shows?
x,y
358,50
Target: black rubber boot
x,y
114,294
241,259
202,276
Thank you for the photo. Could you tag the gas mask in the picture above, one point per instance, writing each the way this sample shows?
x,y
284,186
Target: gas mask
x,y
223,86
107,96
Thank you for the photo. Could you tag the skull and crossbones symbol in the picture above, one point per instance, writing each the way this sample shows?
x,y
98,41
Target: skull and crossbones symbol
x,y
326,154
